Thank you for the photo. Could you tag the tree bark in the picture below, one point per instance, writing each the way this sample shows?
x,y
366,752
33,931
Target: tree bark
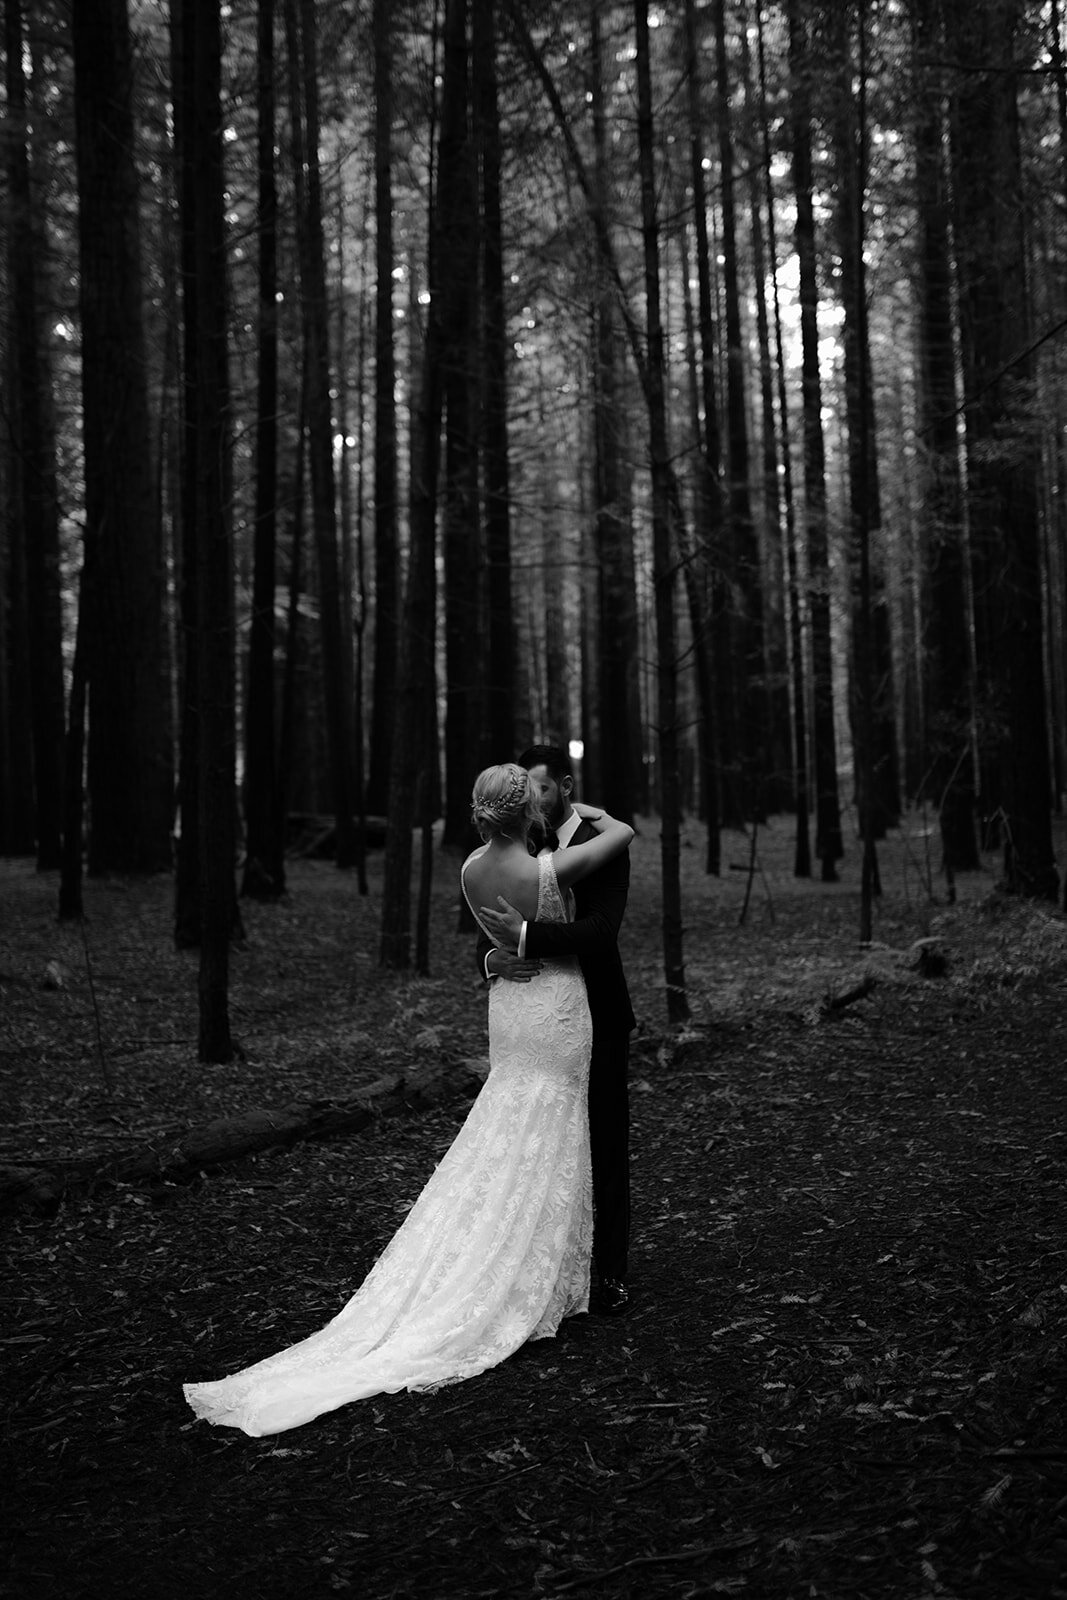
x,y
1002,444
457,269
386,555
33,447
198,115
949,696
746,622
264,870
801,797
828,844
663,555
705,572
130,764
500,674
336,649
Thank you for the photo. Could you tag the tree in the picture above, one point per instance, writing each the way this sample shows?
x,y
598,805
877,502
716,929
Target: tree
x,y
948,656
414,724
129,759
386,558
616,608
746,624
500,664
705,579
336,649
801,798
1002,451
461,531
828,844
664,565
36,524
207,484
264,872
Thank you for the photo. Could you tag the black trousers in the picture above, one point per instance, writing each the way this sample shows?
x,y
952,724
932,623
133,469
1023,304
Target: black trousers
x,y
609,1139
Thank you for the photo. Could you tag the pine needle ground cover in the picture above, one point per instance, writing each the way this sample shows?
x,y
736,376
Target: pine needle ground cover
x,y
844,1373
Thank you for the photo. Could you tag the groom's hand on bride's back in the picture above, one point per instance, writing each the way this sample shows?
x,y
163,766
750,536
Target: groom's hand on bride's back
x,y
506,964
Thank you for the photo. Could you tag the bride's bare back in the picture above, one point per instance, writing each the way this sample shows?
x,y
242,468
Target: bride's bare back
x,y
510,871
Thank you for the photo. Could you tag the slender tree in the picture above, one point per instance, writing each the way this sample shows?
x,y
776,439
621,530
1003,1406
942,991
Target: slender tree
x,y
500,674
386,557
129,758
616,600
948,654
746,625
264,872
801,796
211,720
664,564
36,524
301,28
828,843
705,577
414,724
461,533
1002,431
872,654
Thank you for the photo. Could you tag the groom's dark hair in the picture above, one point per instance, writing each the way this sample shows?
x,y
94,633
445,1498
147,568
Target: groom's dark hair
x,y
551,756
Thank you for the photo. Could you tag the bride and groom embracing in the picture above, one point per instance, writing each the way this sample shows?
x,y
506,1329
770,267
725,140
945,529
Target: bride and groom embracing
x,y
498,1247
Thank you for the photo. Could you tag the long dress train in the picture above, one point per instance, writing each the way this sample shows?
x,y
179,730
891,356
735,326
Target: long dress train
x,y
495,1251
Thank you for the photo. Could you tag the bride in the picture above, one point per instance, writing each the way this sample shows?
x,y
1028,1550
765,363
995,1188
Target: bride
x,y
496,1249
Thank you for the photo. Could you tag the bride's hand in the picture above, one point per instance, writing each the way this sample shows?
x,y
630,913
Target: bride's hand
x,y
588,813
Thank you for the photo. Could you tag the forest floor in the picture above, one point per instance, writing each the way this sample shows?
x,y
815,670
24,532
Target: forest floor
x,y
843,1376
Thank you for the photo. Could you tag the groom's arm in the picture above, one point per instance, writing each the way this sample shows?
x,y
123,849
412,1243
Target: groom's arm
x,y
603,896
505,963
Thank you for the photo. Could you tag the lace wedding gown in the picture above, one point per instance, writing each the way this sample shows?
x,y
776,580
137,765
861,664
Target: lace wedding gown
x,y
496,1249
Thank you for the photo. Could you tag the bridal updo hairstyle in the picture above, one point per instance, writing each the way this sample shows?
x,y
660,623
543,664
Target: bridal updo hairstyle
x,y
505,800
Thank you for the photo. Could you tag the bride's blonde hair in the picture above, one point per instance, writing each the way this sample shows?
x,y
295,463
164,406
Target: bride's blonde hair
x,y
504,800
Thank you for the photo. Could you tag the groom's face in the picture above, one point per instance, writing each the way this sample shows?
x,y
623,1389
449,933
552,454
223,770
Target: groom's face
x,y
555,797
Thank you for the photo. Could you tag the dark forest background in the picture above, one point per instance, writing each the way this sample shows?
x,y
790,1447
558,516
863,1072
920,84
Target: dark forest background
x,y
388,385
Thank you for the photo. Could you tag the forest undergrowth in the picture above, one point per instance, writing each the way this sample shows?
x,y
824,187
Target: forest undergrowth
x,y
843,1375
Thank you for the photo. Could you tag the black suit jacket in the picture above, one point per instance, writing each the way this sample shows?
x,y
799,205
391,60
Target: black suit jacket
x,y
599,904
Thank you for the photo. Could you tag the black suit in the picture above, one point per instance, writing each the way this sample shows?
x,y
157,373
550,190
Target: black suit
x,y
600,901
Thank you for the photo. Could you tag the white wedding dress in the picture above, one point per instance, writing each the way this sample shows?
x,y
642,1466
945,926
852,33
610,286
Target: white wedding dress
x,y
495,1251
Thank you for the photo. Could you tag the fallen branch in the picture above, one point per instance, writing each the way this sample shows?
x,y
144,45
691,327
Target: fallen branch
x,y
229,1139
859,991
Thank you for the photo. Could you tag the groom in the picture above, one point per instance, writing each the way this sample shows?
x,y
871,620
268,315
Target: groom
x,y
600,901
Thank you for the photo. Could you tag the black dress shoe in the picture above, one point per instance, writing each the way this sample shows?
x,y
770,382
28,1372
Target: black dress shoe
x,y
614,1297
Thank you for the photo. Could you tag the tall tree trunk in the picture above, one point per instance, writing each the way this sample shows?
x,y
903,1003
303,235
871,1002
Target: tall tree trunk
x,y
386,554
664,565
872,660
852,172
500,676
801,796
198,126
33,446
287,730
696,578
705,578
948,654
828,843
461,539
618,756
130,777
413,755
747,623
264,871
1002,433
336,649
